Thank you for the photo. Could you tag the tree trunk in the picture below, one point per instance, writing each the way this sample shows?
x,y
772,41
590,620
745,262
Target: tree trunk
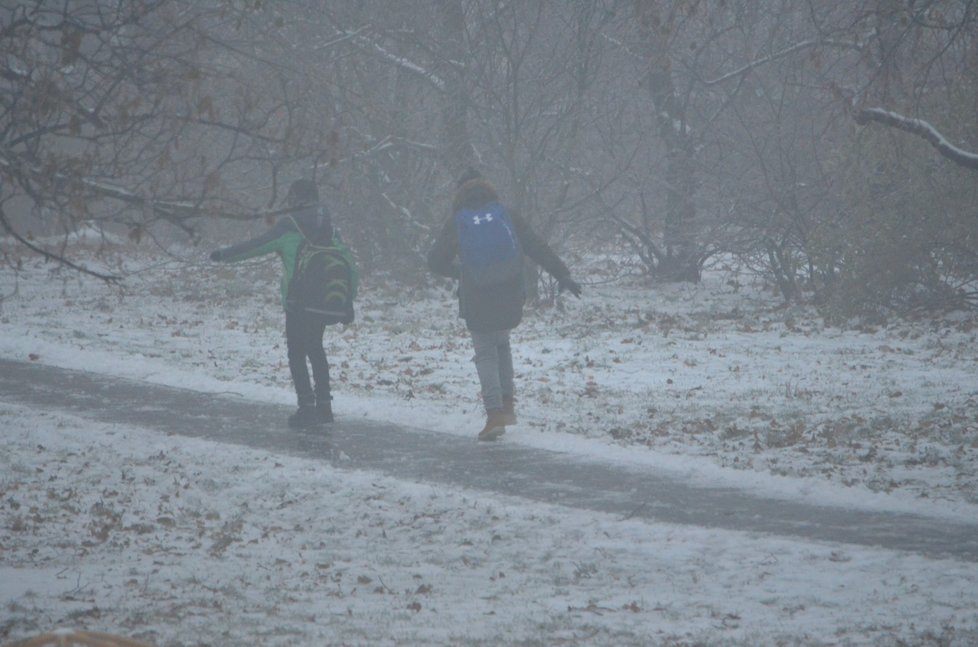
x,y
458,151
679,261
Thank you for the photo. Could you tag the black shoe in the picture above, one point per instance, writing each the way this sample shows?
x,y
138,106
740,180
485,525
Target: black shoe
x,y
305,417
324,410
324,413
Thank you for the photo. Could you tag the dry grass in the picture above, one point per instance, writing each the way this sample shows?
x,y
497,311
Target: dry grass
x,y
72,638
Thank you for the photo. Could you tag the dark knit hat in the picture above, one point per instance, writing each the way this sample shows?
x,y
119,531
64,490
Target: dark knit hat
x,y
470,173
303,191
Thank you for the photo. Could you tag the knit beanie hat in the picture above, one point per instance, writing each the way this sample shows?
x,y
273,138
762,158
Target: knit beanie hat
x,y
470,173
303,191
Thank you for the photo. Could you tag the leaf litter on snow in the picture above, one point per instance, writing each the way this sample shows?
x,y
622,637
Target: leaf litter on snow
x,y
178,541
720,370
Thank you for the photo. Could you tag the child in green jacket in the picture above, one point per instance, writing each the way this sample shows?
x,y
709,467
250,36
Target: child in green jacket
x,y
309,223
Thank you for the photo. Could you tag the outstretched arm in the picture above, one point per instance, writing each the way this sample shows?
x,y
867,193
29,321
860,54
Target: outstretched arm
x,y
535,247
257,246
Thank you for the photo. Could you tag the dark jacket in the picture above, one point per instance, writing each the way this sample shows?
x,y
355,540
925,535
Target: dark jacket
x,y
497,307
310,223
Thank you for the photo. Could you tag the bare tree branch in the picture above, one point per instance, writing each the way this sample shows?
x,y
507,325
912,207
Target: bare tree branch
x,y
52,256
400,61
921,129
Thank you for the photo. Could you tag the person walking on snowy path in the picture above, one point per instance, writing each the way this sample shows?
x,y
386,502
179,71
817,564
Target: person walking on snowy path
x,y
482,244
308,226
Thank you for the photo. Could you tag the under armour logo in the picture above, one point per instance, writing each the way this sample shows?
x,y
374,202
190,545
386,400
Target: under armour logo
x,y
478,220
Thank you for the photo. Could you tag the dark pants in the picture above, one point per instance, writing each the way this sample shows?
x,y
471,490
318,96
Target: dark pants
x,y
304,338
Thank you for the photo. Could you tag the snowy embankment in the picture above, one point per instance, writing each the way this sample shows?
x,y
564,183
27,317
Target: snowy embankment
x,y
181,542
702,377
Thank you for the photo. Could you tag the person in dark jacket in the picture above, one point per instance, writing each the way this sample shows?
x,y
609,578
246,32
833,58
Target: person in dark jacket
x,y
309,221
492,311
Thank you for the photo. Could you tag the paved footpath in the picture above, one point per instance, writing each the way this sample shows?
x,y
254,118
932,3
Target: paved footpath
x,y
502,467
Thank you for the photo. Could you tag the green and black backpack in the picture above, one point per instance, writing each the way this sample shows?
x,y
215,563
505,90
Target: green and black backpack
x,y
325,281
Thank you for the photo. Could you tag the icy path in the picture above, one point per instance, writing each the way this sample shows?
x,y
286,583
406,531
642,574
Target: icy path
x,y
505,468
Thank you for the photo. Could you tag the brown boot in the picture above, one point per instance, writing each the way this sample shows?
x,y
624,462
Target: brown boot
x,y
495,425
509,410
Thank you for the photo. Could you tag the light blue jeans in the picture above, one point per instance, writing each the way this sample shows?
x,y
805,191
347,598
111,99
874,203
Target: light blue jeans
x,y
494,363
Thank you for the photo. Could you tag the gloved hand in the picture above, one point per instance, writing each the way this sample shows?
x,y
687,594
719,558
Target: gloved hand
x,y
570,285
216,255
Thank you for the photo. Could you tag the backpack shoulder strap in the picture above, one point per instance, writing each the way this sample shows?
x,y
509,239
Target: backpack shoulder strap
x,y
347,254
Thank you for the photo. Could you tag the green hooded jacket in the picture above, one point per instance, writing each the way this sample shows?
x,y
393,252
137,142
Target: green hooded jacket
x,y
285,238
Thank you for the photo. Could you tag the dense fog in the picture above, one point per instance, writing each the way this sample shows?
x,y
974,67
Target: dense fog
x,y
827,146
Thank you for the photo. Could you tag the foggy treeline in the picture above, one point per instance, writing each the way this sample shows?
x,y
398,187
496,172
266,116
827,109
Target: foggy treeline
x,y
828,146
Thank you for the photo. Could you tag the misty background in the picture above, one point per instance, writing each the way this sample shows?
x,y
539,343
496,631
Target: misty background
x,y
829,147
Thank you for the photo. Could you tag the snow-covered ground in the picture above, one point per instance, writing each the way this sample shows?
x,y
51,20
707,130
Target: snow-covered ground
x,y
182,542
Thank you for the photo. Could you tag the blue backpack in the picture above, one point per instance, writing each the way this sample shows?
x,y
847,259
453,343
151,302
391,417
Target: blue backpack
x,y
487,245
